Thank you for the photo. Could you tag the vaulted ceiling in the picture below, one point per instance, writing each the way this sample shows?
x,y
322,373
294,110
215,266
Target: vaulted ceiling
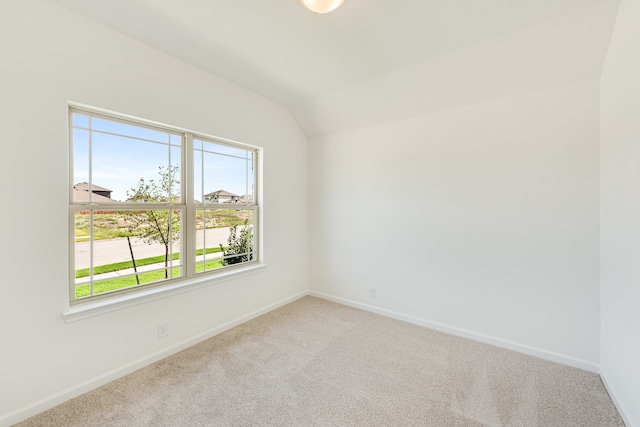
x,y
373,60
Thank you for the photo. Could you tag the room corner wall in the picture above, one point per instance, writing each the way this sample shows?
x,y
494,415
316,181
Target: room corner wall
x,y
620,213
483,218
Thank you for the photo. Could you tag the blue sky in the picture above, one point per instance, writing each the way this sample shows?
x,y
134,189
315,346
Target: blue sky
x,y
122,154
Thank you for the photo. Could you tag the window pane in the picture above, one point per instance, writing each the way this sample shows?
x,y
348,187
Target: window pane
x,y
223,174
124,160
250,191
129,248
176,139
127,166
111,126
123,282
223,237
80,120
198,194
213,147
82,254
225,178
80,162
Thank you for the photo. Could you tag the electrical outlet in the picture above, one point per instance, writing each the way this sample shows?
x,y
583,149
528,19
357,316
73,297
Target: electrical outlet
x,y
372,292
163,329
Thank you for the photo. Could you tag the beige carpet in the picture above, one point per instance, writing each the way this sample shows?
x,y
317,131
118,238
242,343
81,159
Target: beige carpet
x,y
316,363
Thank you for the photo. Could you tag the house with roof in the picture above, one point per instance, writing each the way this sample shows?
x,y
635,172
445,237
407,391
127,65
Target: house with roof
x,y
247,198
82,190
221,196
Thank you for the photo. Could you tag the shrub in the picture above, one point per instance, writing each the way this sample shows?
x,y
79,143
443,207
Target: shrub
x,y
240,245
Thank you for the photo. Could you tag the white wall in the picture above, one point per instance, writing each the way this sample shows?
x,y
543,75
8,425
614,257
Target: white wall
x,y
50,56
620,211
483,218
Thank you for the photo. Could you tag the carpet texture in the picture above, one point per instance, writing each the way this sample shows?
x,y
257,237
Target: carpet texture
x,y
317,363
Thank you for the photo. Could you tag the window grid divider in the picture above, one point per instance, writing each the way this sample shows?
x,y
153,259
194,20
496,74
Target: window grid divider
x,y
186,207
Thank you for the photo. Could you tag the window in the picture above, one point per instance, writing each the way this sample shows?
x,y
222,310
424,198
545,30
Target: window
x,y
151,204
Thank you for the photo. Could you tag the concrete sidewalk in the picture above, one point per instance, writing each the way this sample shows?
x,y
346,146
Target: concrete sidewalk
x,y
110,251
143,269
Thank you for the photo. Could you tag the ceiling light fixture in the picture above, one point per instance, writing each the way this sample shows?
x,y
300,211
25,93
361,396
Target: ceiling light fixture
x,y
322,6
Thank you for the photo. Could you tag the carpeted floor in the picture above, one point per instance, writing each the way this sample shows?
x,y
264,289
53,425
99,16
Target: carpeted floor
x,y
316,363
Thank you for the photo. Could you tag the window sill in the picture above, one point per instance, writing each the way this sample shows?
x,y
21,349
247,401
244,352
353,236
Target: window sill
x,y
96,308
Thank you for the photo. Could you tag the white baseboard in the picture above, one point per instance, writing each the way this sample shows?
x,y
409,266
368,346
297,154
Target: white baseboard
x,y
84,387
498,342
616,402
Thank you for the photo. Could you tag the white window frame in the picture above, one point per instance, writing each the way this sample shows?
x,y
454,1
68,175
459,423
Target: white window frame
x,y
85,306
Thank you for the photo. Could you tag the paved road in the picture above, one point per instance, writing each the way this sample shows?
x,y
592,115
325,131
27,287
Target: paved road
x,y
117,250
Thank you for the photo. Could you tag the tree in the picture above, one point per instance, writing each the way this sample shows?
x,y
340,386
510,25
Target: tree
x,y
240,245
163,225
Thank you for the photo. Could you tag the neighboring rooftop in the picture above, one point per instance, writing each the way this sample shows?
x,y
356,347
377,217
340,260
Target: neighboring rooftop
x,y
219,193
100,194
245,199
84,186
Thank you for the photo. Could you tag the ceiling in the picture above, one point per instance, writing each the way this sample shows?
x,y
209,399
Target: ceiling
x,y
372,60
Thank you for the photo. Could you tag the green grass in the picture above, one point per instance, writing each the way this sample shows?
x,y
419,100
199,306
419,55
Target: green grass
x,y
210,265
108,268
145,278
